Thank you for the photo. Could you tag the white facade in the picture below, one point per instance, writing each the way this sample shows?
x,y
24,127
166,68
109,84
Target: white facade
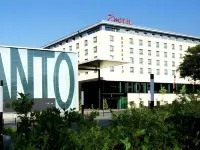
x,y
43,74
148,50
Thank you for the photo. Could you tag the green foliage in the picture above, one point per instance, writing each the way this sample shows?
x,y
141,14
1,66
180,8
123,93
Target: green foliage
x,y
190,67
162,90
141,104
174,126
132,104
183,90
23,104
105,104
7,105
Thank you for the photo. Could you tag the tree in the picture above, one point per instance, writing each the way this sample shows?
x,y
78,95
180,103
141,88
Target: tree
x,y
105,104
162,91
190,67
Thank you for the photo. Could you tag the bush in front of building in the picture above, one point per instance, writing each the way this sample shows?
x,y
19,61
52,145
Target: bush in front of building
x,y
173,126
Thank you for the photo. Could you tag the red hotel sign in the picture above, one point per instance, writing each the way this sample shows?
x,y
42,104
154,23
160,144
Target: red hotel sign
x,y
111,17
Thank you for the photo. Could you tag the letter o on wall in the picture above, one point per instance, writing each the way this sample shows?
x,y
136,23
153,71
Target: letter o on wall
x,y
62,57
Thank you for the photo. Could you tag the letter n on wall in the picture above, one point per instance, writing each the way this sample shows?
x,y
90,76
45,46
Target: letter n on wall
x,y
16,66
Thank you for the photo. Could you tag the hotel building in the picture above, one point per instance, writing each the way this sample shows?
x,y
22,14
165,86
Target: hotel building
x,y
144,50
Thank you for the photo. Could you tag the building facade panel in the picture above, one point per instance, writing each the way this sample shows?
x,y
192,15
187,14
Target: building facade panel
x,y
40,73
147,51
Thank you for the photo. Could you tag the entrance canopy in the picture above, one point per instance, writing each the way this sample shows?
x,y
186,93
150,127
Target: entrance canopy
x,y
98,64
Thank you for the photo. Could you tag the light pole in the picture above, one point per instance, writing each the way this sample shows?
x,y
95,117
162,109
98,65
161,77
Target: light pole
x,y
82,102
174,85
1,114
152,91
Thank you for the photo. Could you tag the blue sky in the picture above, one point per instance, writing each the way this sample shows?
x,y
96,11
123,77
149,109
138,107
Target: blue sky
x,y
34,23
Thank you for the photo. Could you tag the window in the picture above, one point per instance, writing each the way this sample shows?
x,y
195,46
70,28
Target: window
x,y
165,54
112,69
95,39
149,43
131,60
149,52
173,72
173,63
95,56
111,57
149,70
95,49
158,62
86,52
122,38
141,51
131,41
157,44
131,50
181,56
180,47
78,54
149,61
86,72
165,45
165,63
77,45
131,69
173,55
140,42
70,48
173,46
166,72
158,71
141,70
121,42
111,48
157,53
63,48
86,42
111,38
141,61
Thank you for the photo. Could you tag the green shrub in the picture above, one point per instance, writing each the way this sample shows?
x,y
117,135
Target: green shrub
x,y
172,126
7,105
105,104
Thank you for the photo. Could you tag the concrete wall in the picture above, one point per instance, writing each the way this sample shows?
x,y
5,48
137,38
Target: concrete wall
x,y
45,75
137,97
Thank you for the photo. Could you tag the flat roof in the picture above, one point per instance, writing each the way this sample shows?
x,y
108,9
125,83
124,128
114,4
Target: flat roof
x,y
104,22
31,48
98,64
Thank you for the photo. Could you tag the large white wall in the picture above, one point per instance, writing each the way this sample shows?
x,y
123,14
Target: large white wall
x,y
31,61
122,73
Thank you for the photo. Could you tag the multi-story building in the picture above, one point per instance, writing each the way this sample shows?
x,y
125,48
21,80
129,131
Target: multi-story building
x,y
147,51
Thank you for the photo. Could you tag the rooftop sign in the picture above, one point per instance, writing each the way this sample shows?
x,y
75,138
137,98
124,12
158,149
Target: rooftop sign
x,y
111,17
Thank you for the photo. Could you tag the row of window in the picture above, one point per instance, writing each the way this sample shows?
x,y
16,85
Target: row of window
x,y
147,34
149,52
85,44
86,51
150,34
150,62
149,43
149,71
